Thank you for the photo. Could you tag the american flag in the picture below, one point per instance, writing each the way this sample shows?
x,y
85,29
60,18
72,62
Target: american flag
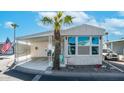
x,y
6,46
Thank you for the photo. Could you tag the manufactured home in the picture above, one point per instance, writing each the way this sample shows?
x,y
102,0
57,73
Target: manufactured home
x,y
80,45
118,47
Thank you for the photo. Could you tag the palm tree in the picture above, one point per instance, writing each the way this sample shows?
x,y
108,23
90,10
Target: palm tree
x,y
57,21
14,26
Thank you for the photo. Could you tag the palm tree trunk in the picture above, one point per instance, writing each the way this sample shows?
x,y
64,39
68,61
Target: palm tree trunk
x,y
57,39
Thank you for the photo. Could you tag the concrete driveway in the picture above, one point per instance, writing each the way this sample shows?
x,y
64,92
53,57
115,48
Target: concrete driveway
x,y
118,64
34,66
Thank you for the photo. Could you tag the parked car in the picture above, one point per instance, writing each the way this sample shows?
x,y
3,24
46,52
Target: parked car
x,y
108,54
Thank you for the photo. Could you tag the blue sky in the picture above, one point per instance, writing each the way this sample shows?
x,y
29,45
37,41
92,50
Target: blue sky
x,y
28,22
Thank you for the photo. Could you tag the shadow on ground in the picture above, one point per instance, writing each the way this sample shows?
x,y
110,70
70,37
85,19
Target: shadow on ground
x,y
85,78
19,75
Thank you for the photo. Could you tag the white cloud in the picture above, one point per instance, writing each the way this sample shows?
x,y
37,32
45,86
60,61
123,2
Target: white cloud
x,y
79,18
42,14
93,22
49,14
112,25
47,27
82,18
121,13
117,33
8,24
114,22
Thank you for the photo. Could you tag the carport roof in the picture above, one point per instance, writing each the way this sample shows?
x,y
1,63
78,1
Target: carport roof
x,y
121,40
84,29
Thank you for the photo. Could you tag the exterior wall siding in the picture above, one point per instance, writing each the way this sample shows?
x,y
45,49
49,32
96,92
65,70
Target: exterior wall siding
x,y
84,30
118,47
83,59
41,50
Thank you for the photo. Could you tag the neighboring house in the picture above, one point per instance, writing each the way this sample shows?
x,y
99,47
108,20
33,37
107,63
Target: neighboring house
x,y
117,46
81,45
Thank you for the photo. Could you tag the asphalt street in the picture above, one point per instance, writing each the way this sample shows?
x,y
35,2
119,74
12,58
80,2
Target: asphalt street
x,y
86,77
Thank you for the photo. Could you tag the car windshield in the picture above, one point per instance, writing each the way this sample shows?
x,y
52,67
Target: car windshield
x,y
107,51
104,51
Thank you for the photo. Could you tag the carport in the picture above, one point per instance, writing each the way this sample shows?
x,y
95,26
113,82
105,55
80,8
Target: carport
x,y
33,66
30,47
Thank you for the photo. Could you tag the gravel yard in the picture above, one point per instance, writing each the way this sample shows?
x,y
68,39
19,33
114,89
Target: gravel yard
x,y
104,68
5,61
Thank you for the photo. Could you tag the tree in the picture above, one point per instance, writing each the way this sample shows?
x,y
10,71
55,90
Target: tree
x,y
57,21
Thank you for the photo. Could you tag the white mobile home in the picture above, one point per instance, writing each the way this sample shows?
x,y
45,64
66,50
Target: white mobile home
x,y
118,47
81,45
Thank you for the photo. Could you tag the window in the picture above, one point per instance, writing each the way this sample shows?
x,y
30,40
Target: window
x,y
95,40
95,45
71,45
95,50
83,45
71,40
83,41
71,50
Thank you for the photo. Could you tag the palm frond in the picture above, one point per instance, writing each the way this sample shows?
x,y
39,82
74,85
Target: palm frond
x,y
46,20
55,19
14,26
59,14
68,19
61,21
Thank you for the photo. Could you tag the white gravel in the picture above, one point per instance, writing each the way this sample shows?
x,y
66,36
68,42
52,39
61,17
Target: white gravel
x,y
4,63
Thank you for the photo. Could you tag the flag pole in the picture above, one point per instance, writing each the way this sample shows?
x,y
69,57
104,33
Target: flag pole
x,y
14,49
14,45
